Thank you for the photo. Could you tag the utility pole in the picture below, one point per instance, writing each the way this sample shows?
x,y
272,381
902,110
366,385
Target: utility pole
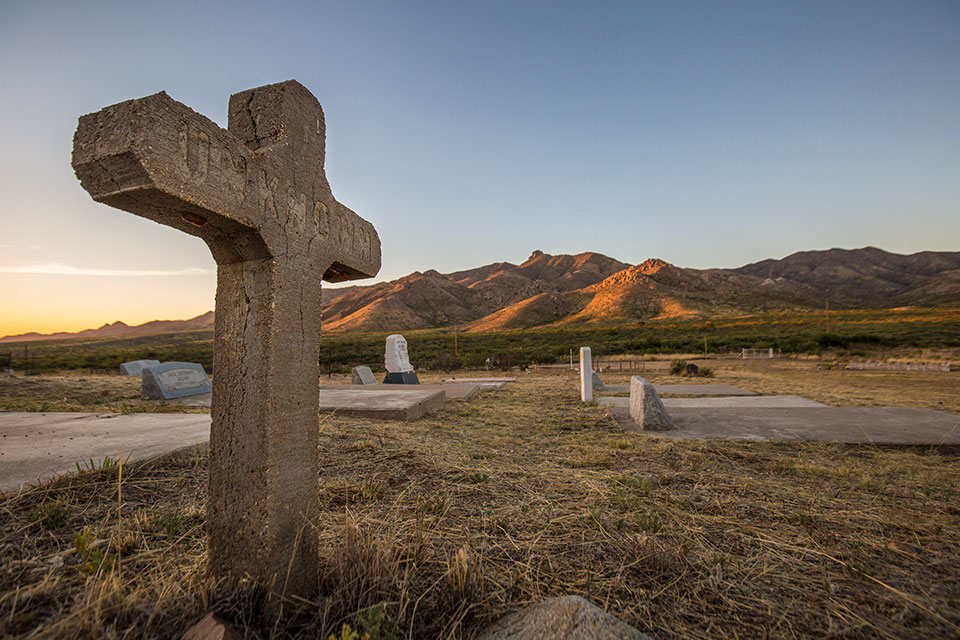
x,y
704,345
828,315
456,348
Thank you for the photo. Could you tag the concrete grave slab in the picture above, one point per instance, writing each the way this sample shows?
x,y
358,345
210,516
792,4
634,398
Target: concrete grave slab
x,y
451,391
874,425
493,382
172,380
702,390
136,367
686,389
386,404
46,445
745,402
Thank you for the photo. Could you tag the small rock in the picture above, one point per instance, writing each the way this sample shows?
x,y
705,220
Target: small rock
x,y
566,618
211,627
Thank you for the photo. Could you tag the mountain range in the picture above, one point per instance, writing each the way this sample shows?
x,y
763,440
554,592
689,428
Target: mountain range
x,y
593,289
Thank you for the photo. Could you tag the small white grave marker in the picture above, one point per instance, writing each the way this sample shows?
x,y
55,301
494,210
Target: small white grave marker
x,y
586,375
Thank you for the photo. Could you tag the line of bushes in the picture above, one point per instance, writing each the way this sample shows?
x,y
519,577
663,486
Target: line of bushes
x,y
447,350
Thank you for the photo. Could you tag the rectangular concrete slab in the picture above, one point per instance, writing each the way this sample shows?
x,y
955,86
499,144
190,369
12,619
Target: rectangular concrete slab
x,y
745,402
479,380
685,389
702,390
873,425
386,404
451,391
44,445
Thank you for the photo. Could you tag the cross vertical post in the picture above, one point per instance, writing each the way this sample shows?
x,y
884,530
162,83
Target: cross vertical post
x,y
257,194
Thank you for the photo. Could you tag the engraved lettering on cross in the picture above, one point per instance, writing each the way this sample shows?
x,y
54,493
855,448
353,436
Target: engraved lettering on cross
x,y
257,194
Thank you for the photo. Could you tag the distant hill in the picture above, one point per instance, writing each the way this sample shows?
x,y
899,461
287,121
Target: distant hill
x,y
869,277
121,330
593,289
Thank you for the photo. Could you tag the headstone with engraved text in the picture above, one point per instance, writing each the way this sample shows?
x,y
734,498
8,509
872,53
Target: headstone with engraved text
x,y
397,362
172,380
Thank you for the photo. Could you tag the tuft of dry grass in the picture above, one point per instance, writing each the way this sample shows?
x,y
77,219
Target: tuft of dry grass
x,y
435,528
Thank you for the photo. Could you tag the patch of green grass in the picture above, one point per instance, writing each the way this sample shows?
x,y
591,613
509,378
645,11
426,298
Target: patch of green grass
x,y
50,515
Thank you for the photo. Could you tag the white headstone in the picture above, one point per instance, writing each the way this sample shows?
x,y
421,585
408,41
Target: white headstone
x,y
362,375
136,367
172,380
395,358
586,375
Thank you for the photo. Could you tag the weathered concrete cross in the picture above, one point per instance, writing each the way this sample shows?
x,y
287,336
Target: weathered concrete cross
x,y
258,196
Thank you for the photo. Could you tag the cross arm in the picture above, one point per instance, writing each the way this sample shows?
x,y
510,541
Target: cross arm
x,y
159,159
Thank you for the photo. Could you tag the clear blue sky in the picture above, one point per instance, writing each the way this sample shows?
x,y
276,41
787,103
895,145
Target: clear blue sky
x,y
704,133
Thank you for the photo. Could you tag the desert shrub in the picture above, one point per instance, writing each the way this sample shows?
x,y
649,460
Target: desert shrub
x,y
502,361
445,362
691,370
706,372
677,367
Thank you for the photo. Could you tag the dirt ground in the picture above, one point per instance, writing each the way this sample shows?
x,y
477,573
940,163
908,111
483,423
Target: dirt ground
x,y
435,527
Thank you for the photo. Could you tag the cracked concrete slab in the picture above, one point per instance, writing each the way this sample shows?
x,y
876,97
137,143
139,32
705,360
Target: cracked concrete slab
x,y
45,445
871,425
451,391
392,404
685,389
746,402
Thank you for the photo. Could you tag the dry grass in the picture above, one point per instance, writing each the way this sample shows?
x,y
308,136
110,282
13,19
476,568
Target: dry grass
x,y
436,527
70,391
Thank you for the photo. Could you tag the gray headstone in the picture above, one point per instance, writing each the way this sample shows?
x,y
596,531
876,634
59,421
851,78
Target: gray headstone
x,y
136,367
362,375
566,618
645,406
172,380
598,383
395,358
